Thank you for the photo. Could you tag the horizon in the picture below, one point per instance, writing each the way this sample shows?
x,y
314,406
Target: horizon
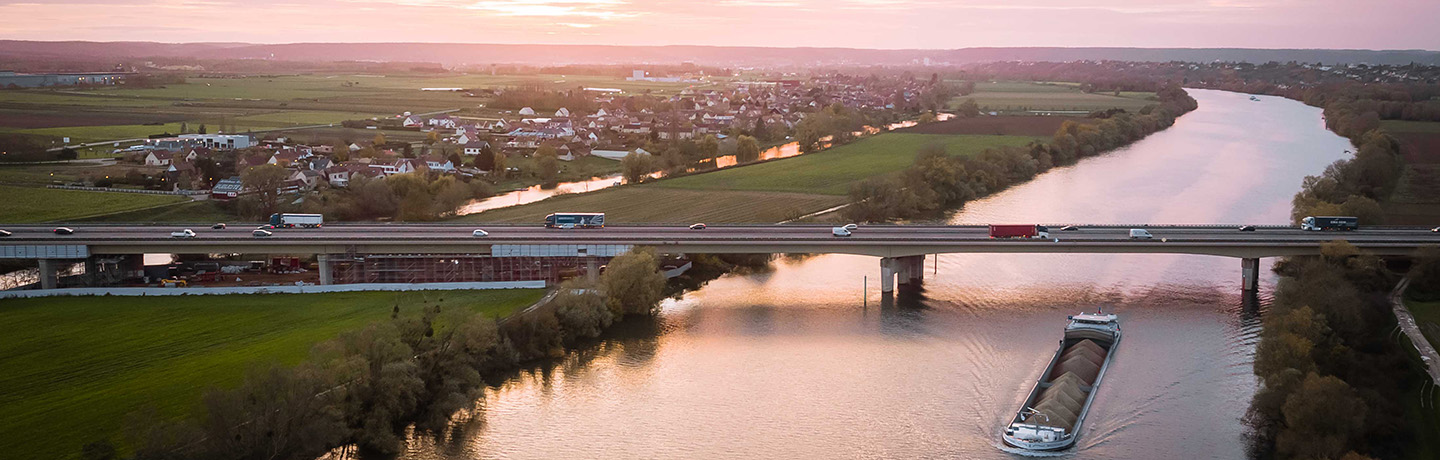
x,y
850,24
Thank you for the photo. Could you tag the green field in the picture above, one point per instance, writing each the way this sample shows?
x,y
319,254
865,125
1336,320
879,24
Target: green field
x,y
28,204
194,212
649,203
1401,126
832,171
75,366
1021,96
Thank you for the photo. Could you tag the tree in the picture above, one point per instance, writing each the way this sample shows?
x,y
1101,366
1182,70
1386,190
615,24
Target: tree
x,y
455,159
266,180
637,167
379,140
202,129
484,161
747,149
184,128
1323,418
633,283
501,164
581,309
432,138
547,164
709,146
968,108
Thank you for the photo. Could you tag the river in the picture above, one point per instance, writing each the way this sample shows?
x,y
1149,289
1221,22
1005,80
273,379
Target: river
x,y
797,362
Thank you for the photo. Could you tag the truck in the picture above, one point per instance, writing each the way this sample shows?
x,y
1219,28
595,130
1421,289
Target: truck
x,y
1019,231
296,220
575,220
1322,223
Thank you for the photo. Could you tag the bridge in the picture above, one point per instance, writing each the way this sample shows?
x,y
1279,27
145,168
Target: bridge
x,y
902,248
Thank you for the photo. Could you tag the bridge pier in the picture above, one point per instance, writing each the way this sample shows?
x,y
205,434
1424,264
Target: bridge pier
x,y
887,275
909,269
327,277
49,276
1250,275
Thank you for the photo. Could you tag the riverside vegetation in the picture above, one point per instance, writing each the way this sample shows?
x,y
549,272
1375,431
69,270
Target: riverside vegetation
x,y
938,181
365,387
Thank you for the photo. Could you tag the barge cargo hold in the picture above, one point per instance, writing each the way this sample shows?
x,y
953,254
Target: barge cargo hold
x,y
1055,409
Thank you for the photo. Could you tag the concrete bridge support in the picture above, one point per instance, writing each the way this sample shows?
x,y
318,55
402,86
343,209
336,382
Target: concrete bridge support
x,y
49,276
326,276
1250,275
909,269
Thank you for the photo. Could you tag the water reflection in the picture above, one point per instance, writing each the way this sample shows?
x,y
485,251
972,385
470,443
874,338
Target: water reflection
x,y
807,361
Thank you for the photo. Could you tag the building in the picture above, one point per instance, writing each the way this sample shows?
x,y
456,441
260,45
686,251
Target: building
x,y
476,147
12,79
227,188
159,158
219,141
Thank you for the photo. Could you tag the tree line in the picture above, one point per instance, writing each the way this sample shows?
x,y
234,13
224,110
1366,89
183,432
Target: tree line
x,y
937,180
365,387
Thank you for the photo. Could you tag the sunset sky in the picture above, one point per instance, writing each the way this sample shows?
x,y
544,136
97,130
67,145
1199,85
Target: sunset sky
x,y
1383,24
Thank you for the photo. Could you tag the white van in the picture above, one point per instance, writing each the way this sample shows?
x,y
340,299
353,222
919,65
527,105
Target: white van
x,y
1140,234
840,231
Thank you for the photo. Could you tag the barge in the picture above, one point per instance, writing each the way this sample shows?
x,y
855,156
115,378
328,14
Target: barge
x,y
1051,417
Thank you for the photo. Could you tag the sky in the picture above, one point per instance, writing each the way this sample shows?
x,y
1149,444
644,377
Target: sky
x,y
882,24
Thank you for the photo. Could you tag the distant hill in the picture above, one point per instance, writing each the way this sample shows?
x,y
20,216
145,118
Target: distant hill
x,y
479,54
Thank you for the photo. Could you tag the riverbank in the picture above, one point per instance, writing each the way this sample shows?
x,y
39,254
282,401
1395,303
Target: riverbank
x,y
76,366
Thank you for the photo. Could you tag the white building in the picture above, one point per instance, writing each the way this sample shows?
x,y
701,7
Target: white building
x,y
220,141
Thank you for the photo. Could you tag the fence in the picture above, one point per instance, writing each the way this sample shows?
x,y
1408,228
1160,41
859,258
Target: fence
x,y
127,190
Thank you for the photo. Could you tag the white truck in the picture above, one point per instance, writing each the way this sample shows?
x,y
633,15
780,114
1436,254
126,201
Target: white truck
x,y
186,233
296,220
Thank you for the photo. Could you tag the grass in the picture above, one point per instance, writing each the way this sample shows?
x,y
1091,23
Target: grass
x,y
650,203
28,205
75,366
1424,421
194,212
831,172
1019,96
1402,126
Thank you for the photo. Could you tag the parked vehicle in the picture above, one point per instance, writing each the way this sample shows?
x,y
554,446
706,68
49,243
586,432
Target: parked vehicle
x,y
840,231
852,227
296,220
1322,223
4,233
1069,228
64,231
186,233
1140,234
697,226
219,226
173,282
1019,231
575,220
479,232
1247,228
260,233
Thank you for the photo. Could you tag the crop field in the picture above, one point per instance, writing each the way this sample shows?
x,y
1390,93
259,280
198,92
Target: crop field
x,y
29,204
76,366
1023,96
100,114
832,171
1038,126
649,203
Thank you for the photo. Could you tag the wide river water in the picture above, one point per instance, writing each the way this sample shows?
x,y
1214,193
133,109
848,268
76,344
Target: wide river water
x,y
798,362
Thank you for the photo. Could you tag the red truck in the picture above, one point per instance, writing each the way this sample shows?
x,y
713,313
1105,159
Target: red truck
x,y
1019,231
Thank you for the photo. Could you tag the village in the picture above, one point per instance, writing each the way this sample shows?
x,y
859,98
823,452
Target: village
x,y
499,149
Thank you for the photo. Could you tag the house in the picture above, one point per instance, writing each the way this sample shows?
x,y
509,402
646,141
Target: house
x,y
443,121
412,121
467,134
527,111
284,159
476,147
159,158
400,166
438,162
321,163
227,188
252,160
307,177
562,113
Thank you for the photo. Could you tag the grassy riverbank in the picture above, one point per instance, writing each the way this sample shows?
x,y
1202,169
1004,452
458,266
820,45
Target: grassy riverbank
x,y
75,366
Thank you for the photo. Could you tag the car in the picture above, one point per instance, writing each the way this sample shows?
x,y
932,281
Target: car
x,y
1247,228
840,231
186,233
219,226
479,232
260,232
173,282
851,227
1140,234
64,231
4,233
1435,230
1069,228
265,227
697,226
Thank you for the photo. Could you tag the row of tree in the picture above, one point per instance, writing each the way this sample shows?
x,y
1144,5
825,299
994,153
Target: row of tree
x,y
937,180
365,387
1333,380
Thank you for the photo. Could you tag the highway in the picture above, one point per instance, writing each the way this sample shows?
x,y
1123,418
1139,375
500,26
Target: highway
x,y
877,240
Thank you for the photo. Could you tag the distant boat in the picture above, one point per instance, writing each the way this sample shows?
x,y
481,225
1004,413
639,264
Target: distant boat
x,y
1253,98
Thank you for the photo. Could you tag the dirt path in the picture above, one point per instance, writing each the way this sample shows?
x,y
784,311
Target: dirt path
x,y
1412,330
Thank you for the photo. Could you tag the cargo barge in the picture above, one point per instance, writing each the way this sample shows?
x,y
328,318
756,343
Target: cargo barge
x,y
1055,409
